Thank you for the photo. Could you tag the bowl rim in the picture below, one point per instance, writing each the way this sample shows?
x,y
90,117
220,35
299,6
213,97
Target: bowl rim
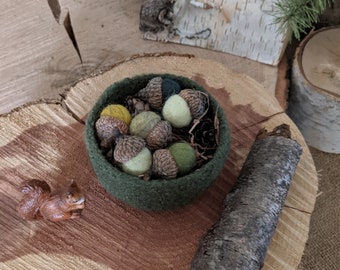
x,y
104,100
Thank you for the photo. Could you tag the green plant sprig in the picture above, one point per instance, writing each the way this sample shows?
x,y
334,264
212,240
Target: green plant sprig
x,y
295,16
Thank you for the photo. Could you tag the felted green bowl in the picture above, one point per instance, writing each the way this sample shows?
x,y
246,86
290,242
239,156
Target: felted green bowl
x,y
156,194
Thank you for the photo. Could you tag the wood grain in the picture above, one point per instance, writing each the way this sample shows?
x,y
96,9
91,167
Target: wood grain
x,y
45,141
39,59
36,53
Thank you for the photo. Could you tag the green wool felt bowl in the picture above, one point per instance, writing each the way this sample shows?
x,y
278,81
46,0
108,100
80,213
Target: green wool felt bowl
x,y
156,194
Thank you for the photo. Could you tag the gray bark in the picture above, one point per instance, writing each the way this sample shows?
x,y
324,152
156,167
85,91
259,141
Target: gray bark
x,y
239,240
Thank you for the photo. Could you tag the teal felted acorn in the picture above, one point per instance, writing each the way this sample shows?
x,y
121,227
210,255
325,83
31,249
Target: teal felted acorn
x,y
149,126
130,152
178,159
158,90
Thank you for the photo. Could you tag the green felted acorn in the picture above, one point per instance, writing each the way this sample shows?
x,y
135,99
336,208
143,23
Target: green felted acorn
x,y
143,123
178,159
149,126
156,194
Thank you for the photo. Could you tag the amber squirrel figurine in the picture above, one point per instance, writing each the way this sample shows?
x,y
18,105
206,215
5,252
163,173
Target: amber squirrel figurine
x,y
38,201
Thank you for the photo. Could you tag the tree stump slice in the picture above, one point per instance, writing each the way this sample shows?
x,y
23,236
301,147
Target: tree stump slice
x,y
45,141
315,96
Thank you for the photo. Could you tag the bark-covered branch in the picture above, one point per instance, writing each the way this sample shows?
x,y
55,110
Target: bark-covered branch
x,y
239,240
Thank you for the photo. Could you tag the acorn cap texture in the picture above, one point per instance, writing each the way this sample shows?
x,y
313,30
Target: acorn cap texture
x,y
160,135
196,100
127,147
107,127
163,164
152,93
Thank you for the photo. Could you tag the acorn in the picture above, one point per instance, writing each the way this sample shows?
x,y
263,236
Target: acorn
x,y
149,126
132,154
181,108
108,128
196,100
160,135
177,111
157,91
178,159
117,111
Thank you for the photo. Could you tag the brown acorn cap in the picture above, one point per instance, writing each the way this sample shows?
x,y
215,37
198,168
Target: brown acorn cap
x,y
152,93
107,127
127,147
160,135
163,164
196,100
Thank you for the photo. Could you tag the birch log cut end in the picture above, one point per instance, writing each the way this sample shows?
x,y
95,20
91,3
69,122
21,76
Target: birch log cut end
x,y
315,93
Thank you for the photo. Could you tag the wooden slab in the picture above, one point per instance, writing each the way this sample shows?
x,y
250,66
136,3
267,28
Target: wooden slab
x,y
36,52
39,60
45,141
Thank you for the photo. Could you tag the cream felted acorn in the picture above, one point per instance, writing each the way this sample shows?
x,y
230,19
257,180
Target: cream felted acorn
x,y
149,126
157,91
196,100
181,108
132,154
178,159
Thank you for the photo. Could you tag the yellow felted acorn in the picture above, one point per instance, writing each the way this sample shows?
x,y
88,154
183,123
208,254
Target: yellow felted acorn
x,y
178,159
108,128
149,126
130,151
117,111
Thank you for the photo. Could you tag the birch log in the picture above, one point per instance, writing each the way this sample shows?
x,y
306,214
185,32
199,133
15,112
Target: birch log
x,y
239,27
315,95
241,237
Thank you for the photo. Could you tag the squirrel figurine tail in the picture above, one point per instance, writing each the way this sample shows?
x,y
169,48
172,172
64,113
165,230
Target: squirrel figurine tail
x,y
39,203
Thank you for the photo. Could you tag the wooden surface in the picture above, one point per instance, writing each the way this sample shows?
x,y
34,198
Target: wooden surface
x,y
243,28
321,60
46,141
315,93
39,60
